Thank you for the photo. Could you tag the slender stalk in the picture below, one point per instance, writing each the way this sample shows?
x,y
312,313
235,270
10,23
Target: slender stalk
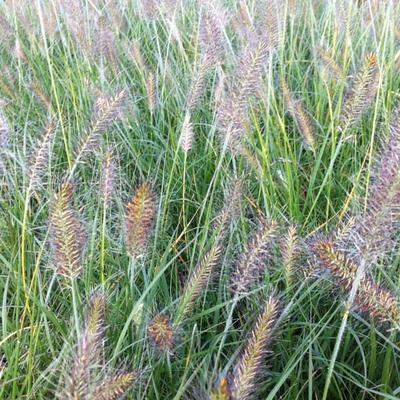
x,y
103,244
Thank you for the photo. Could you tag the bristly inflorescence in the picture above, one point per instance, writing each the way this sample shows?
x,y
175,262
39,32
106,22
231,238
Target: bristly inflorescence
x,y
271,24
361,94
231,207
290,250
300,116
242,23
162,333
107,179
139,219
80,380
197,282
151,91
375,231
40,157
252,263
197,88
233,111
68,234
88,351
114,387
211,37
370,298
187,134
106,42
251,362
107,111
331,70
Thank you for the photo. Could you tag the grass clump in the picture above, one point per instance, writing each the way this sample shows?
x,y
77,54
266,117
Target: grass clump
x,y
199,199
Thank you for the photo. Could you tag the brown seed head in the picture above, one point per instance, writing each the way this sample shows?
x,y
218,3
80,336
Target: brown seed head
x,y
161,333
139,219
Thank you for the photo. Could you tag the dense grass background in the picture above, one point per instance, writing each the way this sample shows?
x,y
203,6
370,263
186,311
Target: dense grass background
x,y
314,190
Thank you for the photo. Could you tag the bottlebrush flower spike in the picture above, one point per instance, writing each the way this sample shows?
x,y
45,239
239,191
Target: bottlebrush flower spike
x,y
150,9
231,207
372,299
329,67
251,263
211,37
376,230
76,23
79,378
107,111
187,134
95,324
251,362
302,119
233,110
151,90
40,157
197,282
242,23
135,54
68,235
107,178
290,250
362,93
41,95
139,220
271,23
106,42
161,333
197,88
114,387
88,351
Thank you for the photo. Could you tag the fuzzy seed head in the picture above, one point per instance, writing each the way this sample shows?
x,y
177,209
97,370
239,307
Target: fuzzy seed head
x,y
106,42
252,263
135,54
375,231
68,234
362,93
197,282
290,250
197,88
114,387
247,370
234,108
139,220
151,90
211,37
40,157
330,69
300,116
271,24
230,209
371,298
161,333
187,134
107,178
107,111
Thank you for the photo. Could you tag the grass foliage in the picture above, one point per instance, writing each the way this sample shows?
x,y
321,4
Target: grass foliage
x,y
199,199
